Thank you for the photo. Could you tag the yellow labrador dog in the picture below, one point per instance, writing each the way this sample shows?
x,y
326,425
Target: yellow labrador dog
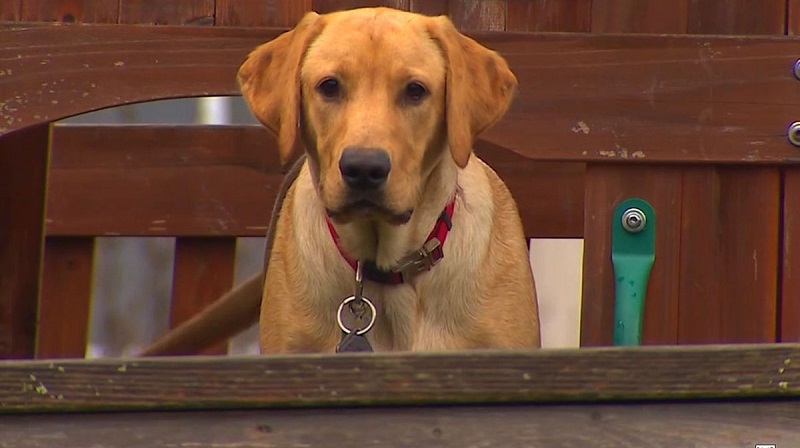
x,y
387,105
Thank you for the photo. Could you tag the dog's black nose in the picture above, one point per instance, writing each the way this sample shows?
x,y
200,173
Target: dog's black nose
x,y
364,168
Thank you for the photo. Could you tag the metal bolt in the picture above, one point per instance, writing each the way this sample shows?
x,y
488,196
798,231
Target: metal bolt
x,y
797,69
794,133
633,220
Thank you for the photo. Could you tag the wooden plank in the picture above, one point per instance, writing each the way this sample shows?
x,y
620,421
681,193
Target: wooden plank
x,y
606,186
283,13
10,10
478,15
71,11
223,179
429,7
469,377
737,17
323,6
65,301
549,195
793,16
789,306
549,15
729,102
699,101
157,12
735,424
729,255
65,71
636,16
203,272
23,179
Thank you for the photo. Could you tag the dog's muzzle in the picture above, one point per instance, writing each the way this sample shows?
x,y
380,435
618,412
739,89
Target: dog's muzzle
x,y
365,172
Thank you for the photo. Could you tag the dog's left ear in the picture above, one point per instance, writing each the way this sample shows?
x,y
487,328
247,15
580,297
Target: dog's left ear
x,y
479,84
270,81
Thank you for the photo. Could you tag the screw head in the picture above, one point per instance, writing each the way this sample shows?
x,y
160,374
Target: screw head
x,y
794,133
796,69
633,220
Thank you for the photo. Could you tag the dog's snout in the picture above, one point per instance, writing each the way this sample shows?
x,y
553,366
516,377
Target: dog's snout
x,y
364,168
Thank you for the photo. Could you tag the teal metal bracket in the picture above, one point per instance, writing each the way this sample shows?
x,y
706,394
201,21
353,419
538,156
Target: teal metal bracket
x,y
633,251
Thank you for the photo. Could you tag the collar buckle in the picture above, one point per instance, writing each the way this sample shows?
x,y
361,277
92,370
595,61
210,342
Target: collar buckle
x,y
423,259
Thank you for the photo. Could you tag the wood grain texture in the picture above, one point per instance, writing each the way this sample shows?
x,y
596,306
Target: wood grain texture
x,y
704,105
789,306
220,180
729,424
549,15
71,11
429,7
323,6
607,186
23,177
636,16
549,195
541,376
203,272
729,255
728,102
67,70
478,15
65,301
158,12
793,16
767,17
10,10
280,13
223,180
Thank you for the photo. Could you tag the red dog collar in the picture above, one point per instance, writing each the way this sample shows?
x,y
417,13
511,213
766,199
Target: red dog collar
x,y
423,259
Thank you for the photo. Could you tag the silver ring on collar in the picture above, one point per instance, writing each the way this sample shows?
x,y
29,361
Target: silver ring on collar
x,y
372,319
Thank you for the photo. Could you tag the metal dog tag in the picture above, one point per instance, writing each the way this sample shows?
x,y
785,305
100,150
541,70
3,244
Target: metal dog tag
x,y
353,342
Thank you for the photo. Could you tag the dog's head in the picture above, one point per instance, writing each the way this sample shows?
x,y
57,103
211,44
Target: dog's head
x,y
377,97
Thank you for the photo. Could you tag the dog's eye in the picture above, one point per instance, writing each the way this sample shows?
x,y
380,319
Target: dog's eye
x,y
415,91
329,88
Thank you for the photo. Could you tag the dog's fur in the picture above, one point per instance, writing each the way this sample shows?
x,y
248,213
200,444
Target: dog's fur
x,y
481,294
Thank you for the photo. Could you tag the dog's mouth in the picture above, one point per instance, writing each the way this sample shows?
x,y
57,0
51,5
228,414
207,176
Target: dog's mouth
x,y
365,208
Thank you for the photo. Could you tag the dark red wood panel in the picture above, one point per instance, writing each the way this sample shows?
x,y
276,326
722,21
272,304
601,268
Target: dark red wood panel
x,y
162,180
549,195
159,12
793,16
790,264
737,17
71,11
478,15
282,13
65,301
549,15
729,255
323,6
637,16
203,272
23,179
10,10
607,186
429,7
67,70
576,96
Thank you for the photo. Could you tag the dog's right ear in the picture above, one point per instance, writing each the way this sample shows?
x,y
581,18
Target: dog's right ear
x,y
270,81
